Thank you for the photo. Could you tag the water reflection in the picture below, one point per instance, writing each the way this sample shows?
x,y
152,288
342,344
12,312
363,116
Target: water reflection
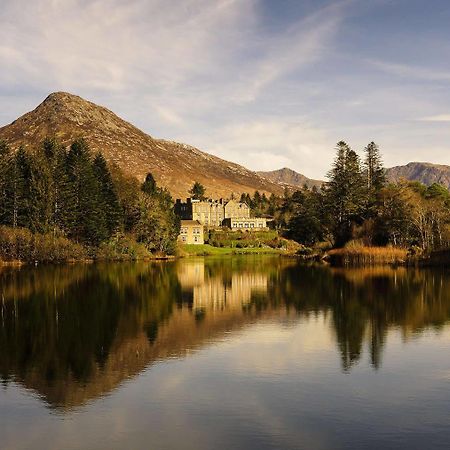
x,y
74,333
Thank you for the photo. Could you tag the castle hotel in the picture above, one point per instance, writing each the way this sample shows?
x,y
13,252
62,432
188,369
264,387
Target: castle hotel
x,y
215,214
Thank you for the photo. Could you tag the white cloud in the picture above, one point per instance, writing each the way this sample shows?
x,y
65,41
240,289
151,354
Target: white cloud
x,y
275,143
436,118
176,69
213,74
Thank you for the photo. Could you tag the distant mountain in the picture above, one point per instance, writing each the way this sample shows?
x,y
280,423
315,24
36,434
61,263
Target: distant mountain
x,y
426,173
174,165
289,177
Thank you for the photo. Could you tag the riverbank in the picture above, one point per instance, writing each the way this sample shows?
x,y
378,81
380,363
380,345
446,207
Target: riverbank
x,y
20,246
360,256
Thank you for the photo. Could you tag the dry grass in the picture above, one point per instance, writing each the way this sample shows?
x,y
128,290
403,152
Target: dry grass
x,y
356,255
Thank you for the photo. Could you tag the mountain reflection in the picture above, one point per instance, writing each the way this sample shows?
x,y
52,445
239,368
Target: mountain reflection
x,y
74,333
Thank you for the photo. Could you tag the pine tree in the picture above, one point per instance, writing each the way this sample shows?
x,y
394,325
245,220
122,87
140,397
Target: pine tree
x,y
14,189
5,156
198,191
85,218
38,202
374,171
108,201
149,185
375,176
346,192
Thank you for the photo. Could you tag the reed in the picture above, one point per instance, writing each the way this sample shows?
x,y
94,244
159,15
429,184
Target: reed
x,y
355,255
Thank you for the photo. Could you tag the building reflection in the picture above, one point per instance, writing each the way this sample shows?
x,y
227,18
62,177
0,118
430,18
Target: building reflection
x,y
213,291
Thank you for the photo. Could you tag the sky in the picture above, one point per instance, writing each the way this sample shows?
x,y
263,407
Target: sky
x,y
264,83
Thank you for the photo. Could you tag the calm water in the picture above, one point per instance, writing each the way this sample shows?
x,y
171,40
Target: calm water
x,y
230,353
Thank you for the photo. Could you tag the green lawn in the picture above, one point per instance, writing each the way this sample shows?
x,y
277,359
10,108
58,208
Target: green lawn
x,y
207,250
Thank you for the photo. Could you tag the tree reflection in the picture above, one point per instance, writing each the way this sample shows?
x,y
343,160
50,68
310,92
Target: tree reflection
x,y
75,332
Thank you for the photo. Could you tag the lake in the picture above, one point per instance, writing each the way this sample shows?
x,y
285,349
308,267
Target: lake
x,y
243,352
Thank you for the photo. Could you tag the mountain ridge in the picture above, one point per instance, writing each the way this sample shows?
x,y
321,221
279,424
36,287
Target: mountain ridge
x,y
425,172
289,178
174,165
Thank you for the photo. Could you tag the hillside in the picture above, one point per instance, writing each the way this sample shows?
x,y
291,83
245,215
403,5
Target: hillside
x,y
426,173
175,166
289,177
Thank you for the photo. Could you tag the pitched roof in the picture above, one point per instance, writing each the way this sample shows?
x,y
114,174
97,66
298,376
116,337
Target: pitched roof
x,y
190,222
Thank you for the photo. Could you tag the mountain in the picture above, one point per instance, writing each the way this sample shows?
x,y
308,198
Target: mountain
x,y
289,177
426,173
174,165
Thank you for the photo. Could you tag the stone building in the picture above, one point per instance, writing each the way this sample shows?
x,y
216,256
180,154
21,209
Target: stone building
x,y
191,232
236,210
211,213
249,223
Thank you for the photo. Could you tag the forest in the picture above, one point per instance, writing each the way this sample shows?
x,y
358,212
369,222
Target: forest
x,y
62,203
357,207
58,204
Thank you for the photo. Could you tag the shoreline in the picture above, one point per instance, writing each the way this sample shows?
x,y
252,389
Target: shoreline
x,y
344,259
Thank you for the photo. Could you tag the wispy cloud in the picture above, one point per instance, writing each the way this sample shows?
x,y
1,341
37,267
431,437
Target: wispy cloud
x,y
221,75
436,118
411,72
273,143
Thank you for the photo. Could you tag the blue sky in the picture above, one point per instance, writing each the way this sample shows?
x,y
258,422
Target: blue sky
x,y
265,83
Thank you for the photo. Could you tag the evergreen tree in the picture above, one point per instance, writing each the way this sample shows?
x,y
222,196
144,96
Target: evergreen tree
x,y
38,202
108,202
14,189
257,200
60,192
5,156
198,191
273,201
86,220
346,193
149,185
375,176
374,171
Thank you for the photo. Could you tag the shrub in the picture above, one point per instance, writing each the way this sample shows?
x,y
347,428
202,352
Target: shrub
x,y
19,244
122,247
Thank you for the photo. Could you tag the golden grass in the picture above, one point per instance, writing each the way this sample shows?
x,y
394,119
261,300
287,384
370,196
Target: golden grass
x,y
367,256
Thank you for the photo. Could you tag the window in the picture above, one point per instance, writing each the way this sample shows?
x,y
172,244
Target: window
x,y
195,239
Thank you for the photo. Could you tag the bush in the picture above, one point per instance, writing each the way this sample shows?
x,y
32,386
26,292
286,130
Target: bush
x,y
122,247
19,244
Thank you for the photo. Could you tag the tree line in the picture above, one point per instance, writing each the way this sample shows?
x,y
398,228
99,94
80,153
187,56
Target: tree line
x,y
70,192
358,204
